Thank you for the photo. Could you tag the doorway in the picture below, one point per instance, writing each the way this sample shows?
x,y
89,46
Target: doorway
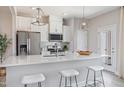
x,y
107,46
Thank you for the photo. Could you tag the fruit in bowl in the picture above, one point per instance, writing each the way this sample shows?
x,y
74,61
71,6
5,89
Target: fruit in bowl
x,y
84,52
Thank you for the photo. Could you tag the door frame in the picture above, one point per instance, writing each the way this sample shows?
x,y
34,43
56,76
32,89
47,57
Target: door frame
x,y
113,44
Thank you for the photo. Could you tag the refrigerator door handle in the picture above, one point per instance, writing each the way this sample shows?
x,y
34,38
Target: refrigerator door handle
x,y
29,47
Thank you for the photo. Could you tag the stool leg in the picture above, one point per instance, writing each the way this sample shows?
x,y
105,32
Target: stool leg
x,y
70,81
102,79
25,85
65,81
94,78
60,81
39,84
87,78
76,81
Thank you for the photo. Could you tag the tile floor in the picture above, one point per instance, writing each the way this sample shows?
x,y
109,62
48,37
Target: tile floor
x,y
111,80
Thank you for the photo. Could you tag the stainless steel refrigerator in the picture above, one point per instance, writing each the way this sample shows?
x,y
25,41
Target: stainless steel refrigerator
x,y
28,43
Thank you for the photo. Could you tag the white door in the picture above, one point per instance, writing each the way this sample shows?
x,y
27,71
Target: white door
x,y
113,46
107,44
103,43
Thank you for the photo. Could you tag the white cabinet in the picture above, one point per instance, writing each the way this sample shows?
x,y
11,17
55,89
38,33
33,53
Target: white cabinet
x,y
55,25
23,23
42,29
44,33
67,34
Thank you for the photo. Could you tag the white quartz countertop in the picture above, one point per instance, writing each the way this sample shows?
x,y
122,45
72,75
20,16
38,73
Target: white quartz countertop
x,y
38,59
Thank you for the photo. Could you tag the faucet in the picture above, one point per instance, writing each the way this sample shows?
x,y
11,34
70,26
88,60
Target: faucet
x,y
56,47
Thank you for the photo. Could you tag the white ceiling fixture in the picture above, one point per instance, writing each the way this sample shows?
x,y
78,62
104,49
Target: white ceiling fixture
x,y
40,18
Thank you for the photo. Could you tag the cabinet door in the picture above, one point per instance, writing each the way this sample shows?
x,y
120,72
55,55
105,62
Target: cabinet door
x,y
67,34
42,29
18,23
59,27
53,29
28,24
55,25
44,33
34,28
23,23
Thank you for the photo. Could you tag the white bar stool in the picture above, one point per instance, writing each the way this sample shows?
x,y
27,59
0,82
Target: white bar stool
x,y
69,73
95,69
31,79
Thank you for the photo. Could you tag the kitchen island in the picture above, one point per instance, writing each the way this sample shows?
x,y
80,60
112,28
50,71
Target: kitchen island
x,y
18,66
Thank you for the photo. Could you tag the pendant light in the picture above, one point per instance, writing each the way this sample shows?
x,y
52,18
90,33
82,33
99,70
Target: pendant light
x,y
40,18
83,22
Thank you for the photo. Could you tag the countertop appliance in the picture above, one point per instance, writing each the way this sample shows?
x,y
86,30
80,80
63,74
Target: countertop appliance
x,y
28,43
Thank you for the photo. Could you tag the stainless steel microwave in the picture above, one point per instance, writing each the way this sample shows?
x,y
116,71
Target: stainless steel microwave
x,y
55,37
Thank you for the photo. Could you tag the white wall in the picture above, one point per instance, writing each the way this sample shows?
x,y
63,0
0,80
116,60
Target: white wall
x,y
78,42
6,25
109,18
70,22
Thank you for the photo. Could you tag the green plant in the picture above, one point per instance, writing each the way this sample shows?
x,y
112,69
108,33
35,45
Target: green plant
x,y
65,48
4,42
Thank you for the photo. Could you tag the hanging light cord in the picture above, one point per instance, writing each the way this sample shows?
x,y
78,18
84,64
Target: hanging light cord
x,y
83,24
38,13
83,12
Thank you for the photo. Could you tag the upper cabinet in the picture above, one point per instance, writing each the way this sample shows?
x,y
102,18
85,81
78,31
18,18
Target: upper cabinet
x,y
42,29
55,25
23,23
67,34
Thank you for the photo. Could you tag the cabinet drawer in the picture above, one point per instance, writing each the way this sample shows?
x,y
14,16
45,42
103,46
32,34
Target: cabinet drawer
x,y
2,72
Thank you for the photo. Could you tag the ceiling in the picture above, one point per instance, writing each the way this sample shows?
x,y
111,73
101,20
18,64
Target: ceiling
x,y
67,11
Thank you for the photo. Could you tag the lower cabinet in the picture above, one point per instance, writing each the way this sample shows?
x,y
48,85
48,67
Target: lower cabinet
x,y
2,76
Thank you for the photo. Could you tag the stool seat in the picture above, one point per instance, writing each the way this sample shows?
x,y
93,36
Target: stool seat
x,y
29,79
96,68
69,73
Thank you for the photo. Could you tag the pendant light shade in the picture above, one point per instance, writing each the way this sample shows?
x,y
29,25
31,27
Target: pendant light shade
x,y
40,18
84,23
